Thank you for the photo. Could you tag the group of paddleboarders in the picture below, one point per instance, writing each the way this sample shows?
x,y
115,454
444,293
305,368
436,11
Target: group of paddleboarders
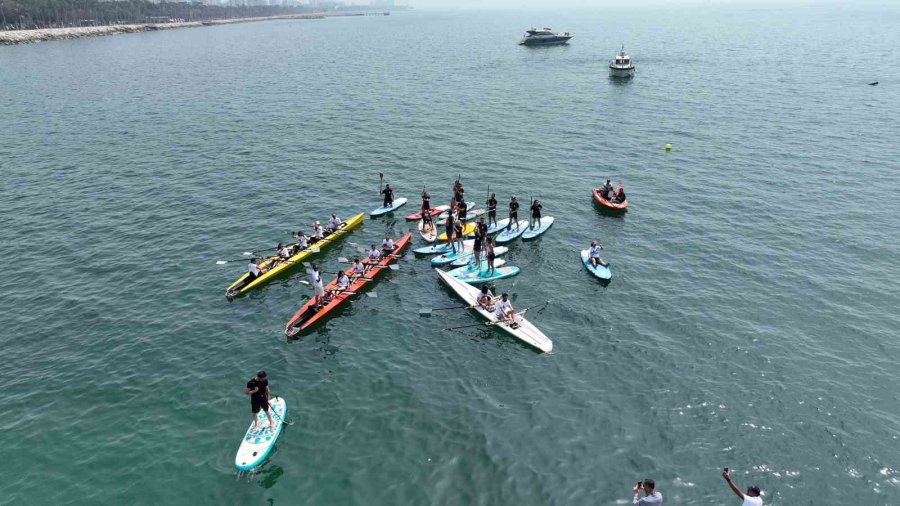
x,y
616,196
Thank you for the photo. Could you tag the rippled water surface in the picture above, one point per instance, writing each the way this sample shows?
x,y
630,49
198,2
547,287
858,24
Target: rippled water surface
x,y
751,321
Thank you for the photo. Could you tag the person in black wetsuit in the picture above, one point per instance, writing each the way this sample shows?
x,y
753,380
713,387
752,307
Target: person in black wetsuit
x,y
450,229
489,252
492,209
458,233
258,390
513,213
480,234
426,202
388,193
536,213
463,208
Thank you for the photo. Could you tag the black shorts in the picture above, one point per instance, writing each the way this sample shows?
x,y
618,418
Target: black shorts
x,y
492,213
491,257
476,247
257,403
536,216
513,217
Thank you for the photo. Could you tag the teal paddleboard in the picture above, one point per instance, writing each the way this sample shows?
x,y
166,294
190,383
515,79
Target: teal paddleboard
x,y
600,271
258,441
501,224
511,233
531,233
398,203
470,257
475,277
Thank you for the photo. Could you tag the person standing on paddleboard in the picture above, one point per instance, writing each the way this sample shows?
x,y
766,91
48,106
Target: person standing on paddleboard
x,y
480,233
388,193
450,228
426,203
513,213
492,209
536,213
258,390
463,210
458,233
489,255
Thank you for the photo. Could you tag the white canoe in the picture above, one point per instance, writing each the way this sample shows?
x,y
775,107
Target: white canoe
x,y
525,331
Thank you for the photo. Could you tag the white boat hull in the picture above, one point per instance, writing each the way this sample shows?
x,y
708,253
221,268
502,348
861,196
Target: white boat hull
x,y
525,331
613,72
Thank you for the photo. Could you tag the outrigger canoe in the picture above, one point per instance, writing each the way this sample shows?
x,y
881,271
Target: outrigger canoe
x,y
523,329
607,205
308,315
241,286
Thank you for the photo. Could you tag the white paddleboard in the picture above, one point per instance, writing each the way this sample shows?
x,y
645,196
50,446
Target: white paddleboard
x,y
257,444
398,203
531,233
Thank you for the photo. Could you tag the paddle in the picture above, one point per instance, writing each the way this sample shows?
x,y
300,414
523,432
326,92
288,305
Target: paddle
x,y
380,181
426,311
283,421
520,313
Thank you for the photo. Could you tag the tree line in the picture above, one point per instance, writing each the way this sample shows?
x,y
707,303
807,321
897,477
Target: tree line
x,y
30,14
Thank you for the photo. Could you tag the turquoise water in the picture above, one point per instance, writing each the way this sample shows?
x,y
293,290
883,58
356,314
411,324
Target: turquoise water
x,y
750,321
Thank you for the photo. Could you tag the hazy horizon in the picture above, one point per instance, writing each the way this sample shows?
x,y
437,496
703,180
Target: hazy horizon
x,y
602,4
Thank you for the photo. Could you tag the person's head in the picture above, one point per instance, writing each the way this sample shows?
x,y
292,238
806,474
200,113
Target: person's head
x,y
261,375
280,245
387,185
333,215
505,296
387,236
484,289
513,198
373,246
607,181
356,260
753,491
593,243
493,195
648,485
252,260
314,267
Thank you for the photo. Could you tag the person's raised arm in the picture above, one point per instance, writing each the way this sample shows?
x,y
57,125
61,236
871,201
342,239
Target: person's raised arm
x,y
727,475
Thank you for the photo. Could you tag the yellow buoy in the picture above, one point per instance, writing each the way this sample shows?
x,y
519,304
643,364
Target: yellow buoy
x,y
668,147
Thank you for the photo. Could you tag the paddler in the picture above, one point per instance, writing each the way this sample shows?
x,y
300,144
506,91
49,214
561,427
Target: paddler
x,y
343,283
283,251
485,298
480,234
489,255
318,232
258,390
462,209
536,213
302,241
492,209
427,222
619,194
458,192
426,203
504,311
359,269
607,190
387,245
388,195
315,279
451,219
458,233
333,223
374,254
254,269
594,254
513,213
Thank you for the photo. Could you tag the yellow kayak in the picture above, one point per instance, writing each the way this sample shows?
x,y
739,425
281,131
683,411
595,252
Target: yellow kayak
x,y
240,286
468,230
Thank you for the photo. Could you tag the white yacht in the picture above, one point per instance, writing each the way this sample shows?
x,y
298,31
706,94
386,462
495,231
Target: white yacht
x,y
621,66
544,37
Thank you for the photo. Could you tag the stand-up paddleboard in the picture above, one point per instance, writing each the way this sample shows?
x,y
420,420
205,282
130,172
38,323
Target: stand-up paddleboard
x,y
511,233
598,270
468,229
467,258
398,203
438,249
476,277
450,256
434,211
531,233
258,443
444,215
501,224
469,269
471,214
431,234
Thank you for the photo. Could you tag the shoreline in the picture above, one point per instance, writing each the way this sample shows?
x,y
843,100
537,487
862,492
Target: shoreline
x,y
15,37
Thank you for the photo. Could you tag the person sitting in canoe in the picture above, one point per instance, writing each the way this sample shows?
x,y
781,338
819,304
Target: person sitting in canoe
x,y
426,203
302,242
359,269
388,193
315,279
333,224
513,213
619,194
489,255
536,213
485,298
594,254
607,190
374,254
492,209
254,269
318,231
283,251
343,283
387,245
504,311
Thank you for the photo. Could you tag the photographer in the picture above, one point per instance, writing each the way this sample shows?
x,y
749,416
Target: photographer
x,y
651,497
751,498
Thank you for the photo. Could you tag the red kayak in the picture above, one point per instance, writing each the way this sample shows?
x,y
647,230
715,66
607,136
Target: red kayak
x,y
434,211
620,207
308,315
